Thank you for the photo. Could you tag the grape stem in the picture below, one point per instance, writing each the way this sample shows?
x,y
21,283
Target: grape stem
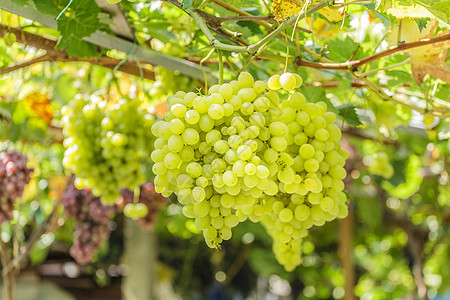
x,y
381,93
245,16
136,194
384,68
251,49
204,72
219,52
357,63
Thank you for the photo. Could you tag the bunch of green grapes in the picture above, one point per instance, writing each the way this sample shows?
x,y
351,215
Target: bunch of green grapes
x,y
242,152
106,145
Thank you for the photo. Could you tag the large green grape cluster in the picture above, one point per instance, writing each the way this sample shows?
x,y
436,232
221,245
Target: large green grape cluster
x,y
241,152
106,144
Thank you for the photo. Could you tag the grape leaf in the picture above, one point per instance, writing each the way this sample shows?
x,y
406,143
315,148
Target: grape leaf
x,y
39,105
284,9
316,94
348,112
105,19
403,9
20,2
80,21
76,47
369,211
5,58
342,50
429,59
46,7
187,4
412,182
421,23
439,8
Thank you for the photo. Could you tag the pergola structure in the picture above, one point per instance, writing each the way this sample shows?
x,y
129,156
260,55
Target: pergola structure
x,y
121,40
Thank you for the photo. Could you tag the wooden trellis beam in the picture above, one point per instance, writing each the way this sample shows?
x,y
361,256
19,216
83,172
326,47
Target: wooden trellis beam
x,y
108,41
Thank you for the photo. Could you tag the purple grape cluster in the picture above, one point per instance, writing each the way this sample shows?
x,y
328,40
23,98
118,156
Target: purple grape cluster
x,y
150,198
14,175
91,219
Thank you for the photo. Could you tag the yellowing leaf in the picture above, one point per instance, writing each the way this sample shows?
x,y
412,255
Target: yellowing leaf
x,y
430,59
409,32
284,9
56,185
332,15
323,29
410,11
40,105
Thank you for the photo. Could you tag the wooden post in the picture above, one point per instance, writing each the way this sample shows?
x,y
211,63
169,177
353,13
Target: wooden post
x,y
140,257
346,254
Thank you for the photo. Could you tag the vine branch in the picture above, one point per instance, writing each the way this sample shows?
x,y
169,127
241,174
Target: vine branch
x,y
40,42
25,64
251,49
380,92
357,63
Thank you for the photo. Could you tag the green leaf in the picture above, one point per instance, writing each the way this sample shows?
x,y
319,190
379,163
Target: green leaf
x,y
422,23
20,113
38,253
316,94
76,47
264,262
187,4
369,211
403,9
162,35
342,50
399,78
105,19
47,7
81,20
20,2
254,28
412,182
439,8
348,112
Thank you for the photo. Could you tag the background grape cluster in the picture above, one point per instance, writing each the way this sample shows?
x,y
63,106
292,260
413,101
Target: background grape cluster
x,y
91,219
14,175
249,151
107,145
